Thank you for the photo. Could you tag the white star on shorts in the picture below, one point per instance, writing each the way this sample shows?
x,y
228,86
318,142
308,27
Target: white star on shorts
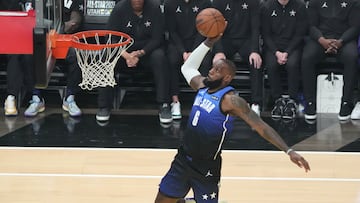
x,y
205,196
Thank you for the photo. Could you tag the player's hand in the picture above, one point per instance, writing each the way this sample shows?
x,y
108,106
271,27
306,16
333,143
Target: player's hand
x,y
210,41
255,60
299,160
218,56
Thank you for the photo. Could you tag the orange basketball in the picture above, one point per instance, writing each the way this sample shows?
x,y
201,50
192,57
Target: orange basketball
x,y
210,22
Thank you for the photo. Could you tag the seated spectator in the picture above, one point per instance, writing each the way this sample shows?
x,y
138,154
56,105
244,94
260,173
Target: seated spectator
x,y
355,114
19,68
144,22
283,29
334,29
183,38
72,19
242,36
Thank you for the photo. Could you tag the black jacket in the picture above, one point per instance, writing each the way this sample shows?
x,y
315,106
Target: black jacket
x,y
336,19
180,22
243,17
147,30
283,27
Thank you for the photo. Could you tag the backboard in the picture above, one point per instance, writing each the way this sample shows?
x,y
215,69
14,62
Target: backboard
x,y
25,31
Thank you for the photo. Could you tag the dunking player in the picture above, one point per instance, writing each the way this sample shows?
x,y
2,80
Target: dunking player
x,y
197,164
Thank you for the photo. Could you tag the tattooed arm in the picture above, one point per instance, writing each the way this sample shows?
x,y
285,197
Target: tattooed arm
x,y
237,106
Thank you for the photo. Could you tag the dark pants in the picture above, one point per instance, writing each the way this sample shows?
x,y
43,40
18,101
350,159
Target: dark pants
x,y
274,70
73,71
314,53
157,62
20,73
256,75
176,60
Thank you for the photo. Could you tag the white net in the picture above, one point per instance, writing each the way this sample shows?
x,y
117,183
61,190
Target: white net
x,y
97,66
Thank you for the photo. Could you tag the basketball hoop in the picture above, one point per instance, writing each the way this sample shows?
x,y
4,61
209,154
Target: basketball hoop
x,y
97,53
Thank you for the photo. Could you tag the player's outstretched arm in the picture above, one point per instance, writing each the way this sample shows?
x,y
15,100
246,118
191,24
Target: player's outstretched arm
x,y
190,69
237,106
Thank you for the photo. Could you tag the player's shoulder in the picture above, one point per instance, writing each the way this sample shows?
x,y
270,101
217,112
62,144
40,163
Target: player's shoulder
x,y
232,101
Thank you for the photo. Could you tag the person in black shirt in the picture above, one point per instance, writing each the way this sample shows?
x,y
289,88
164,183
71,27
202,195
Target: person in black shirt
x,y
283,29
143,21
183,38
242,36
334,28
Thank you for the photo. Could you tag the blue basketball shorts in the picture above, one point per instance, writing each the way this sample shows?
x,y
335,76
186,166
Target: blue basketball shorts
x,y
185,173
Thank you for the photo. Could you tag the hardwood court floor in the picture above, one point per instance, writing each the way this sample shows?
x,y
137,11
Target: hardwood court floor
x,y
70,175
56,158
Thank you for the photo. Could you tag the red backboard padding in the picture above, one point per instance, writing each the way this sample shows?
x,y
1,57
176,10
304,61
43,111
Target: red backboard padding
x,y
16,33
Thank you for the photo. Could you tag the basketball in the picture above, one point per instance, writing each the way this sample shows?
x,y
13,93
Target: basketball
x,y
210,22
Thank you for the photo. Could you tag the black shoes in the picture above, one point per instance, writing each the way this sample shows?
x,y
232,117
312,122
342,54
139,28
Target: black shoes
x,y
103,114
285,108
278,109
165,115
310,111
290,109
345,111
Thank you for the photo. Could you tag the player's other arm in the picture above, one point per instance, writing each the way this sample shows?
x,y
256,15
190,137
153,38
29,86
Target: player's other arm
x,y
237,106
190,69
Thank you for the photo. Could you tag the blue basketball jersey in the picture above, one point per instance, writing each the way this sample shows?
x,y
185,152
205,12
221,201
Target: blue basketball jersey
x,y
208,126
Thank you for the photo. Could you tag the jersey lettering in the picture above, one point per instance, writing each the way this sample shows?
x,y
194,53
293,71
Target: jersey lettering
x,y
196,118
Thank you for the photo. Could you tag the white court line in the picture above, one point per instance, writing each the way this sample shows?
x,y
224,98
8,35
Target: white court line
x,y
168,150
159,177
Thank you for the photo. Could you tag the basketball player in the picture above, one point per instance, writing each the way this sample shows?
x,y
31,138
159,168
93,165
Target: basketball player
x,y
197,164
242,36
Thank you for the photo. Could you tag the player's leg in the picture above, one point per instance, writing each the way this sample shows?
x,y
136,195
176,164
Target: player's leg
x,y
205,180
174,185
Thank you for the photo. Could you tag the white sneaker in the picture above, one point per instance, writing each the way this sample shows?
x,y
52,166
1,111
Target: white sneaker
x,y
256,108
70,106
36,106
10,106
176,110
355,114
